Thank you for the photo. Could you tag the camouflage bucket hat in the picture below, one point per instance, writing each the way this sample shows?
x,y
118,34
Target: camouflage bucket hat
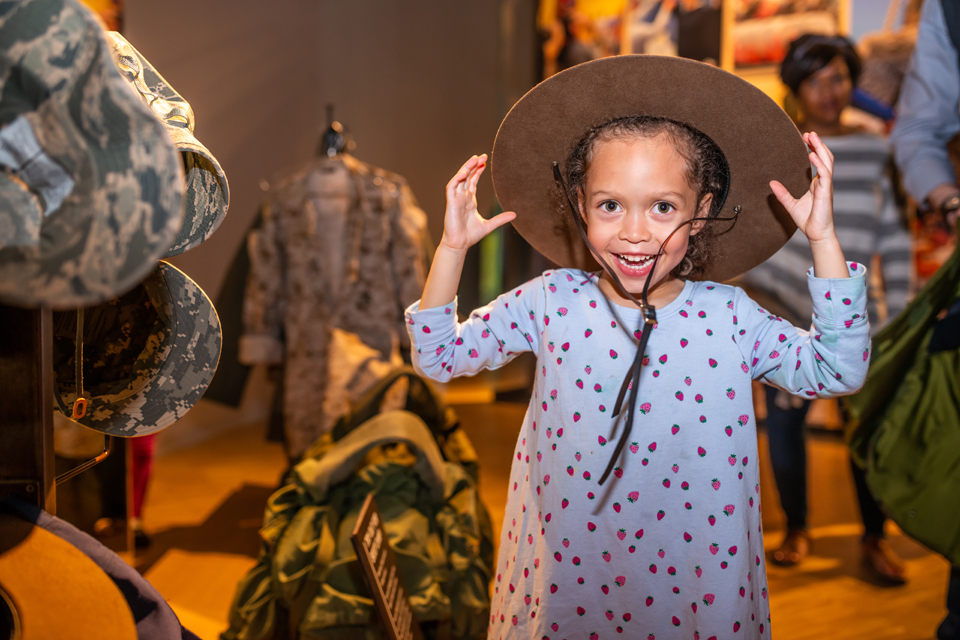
x,y
147,356
208,194
91,186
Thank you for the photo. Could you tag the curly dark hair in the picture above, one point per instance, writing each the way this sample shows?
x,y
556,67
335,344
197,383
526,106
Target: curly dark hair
x,y
707,173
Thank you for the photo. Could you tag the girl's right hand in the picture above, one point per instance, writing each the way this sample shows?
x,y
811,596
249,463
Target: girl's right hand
x,y
463,226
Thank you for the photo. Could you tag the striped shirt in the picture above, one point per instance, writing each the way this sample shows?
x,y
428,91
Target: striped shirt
x,y
868,223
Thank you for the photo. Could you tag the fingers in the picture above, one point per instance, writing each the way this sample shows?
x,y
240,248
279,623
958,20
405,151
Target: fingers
x,y
780,191
796,208
490,225
467,177
821,147
472,163
819,151
463,174
822,172
476,172
499,220
460,176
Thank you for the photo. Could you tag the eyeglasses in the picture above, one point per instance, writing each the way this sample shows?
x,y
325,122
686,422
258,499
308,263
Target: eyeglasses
x,y
632,380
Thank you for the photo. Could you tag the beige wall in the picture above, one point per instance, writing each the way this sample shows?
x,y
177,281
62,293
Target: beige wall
x,y
415,82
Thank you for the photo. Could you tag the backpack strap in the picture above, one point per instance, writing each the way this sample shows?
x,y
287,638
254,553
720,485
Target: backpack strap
x,y
341,461
951,18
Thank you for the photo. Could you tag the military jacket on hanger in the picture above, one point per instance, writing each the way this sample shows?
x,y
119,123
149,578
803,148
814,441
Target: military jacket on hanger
x,y
342,245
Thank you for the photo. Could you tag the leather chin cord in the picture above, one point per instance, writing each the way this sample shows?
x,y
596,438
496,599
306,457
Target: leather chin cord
x,y
632,380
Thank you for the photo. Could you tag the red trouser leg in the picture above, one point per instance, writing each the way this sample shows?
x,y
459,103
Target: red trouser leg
x,y
142,449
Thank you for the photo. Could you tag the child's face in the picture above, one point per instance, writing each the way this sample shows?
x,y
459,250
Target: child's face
x,y
636,192
825,94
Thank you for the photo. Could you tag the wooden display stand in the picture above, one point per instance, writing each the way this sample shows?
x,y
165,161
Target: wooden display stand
x,y
26,425
27,463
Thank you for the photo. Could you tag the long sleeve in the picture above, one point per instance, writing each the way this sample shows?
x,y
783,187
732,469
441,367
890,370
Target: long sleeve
x,y
263,303
493,335
829,361
928,111
895,247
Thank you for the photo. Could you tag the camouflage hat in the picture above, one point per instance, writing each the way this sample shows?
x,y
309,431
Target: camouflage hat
x,y
208,194
91,186
148,356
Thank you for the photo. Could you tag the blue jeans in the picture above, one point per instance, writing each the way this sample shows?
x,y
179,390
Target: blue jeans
x,y
788,456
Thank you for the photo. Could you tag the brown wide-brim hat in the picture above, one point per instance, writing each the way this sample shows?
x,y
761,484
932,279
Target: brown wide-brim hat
x,y
759,140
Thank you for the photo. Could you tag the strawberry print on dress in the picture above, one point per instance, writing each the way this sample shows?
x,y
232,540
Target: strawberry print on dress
x,y
671,546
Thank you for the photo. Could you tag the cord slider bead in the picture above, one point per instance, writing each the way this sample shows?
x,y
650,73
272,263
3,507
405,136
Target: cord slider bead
x,y
650,315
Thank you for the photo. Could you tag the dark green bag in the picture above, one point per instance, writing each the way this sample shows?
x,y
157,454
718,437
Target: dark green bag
x,y
308,583
905,422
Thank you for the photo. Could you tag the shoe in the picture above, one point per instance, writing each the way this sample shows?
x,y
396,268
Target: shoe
x,y
140,539
795,548
104,528
882,562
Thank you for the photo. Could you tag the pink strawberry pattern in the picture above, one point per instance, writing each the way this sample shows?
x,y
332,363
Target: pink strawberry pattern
x,y
673,535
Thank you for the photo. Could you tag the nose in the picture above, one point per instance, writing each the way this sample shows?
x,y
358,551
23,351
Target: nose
x,y
634,227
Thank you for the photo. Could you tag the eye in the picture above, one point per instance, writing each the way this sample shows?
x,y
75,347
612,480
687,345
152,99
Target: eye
x,y
609,206
663,207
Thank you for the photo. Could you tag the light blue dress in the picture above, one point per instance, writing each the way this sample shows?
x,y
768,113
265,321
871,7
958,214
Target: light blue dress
x,y
671,546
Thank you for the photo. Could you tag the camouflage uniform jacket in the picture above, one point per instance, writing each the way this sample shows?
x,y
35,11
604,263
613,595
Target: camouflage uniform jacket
x,y
342,245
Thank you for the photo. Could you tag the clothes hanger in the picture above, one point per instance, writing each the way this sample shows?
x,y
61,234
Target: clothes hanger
x,y
334,139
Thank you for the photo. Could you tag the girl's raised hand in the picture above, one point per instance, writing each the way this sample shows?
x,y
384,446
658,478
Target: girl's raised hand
x,y
463,226
813,212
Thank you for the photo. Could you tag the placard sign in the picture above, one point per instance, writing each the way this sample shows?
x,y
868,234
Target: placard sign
x,y
380,571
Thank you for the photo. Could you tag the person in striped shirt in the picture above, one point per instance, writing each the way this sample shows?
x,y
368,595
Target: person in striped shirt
x,y
821,72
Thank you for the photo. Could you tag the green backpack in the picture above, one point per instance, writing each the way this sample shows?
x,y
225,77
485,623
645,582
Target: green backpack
x,y
905,422
308,583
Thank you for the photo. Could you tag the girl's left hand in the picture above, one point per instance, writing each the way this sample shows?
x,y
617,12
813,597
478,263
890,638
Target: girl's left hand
x,y
813,212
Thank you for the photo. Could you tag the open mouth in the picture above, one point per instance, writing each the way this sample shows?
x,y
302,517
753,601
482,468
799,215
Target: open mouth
x,y
634,262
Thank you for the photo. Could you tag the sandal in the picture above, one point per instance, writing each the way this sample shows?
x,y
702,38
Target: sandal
x,y
795,548
882,562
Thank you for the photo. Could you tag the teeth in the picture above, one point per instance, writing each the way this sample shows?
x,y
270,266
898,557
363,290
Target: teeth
x,y
634,261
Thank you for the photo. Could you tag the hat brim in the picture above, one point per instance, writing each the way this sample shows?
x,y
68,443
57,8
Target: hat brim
x,y
207,196
174,370
759,140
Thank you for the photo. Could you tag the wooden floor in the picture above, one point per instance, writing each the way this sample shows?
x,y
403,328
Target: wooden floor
x,y
206,501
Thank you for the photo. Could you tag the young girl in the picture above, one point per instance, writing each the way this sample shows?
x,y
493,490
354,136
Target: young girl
x,y
670,546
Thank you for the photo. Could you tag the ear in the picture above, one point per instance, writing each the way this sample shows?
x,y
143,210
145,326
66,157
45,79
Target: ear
x,y
703,210
581,205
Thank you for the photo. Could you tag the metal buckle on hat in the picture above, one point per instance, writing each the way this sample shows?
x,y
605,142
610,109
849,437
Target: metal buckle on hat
x,y
171,115
177,117
79,408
